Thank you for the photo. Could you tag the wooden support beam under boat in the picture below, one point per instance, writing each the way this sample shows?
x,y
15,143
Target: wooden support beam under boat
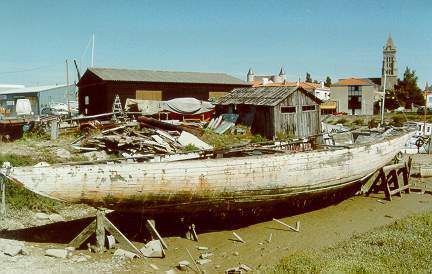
x,y
98,226
387,180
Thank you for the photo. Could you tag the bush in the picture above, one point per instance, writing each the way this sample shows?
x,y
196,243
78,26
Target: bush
x,y
257,138
190,148
342,121
358,121
397,121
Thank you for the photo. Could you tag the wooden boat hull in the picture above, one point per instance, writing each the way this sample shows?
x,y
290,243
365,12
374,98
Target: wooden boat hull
x,y
214,185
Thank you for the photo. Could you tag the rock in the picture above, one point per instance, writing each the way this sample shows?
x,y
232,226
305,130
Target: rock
x,y
63,153
11,247
124,253
202,248
240,269
155,267
41,216
183,265
25,251
203,261
56,218
205,255
96,155
245,267
13,250
79,259
171,271
70,248
153,249
235,253
57,253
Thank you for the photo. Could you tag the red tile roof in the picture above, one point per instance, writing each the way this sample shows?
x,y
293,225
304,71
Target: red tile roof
x,y
352,82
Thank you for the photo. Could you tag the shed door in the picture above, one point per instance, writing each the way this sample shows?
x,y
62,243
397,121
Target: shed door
x,y
155,95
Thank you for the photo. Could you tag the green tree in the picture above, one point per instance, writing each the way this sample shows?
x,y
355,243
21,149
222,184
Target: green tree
x,y
308,78
328,81
315,82
391,101
407,92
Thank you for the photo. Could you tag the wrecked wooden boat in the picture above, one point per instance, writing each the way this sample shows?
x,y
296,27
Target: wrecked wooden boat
x,y
255,183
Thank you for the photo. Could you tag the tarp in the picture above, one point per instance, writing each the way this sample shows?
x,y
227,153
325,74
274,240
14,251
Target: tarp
x,y
179,105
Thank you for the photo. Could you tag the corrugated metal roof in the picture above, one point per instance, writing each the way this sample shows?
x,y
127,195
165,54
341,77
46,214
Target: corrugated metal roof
x,y
259,96
130,75
31,89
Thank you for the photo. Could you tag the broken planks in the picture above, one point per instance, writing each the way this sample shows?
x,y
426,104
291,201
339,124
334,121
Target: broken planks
x,y
387,180
296,228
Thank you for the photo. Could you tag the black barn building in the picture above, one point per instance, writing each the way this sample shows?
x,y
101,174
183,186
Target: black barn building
x,y
98,87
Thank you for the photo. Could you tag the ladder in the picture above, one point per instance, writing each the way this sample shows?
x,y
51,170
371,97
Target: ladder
x,y
117,107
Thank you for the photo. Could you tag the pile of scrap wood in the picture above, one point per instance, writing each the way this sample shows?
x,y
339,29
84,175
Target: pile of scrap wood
x,y
144,138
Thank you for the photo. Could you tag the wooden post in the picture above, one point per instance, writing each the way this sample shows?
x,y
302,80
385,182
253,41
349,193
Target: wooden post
x,y
100,225
3,197
100,230
54,130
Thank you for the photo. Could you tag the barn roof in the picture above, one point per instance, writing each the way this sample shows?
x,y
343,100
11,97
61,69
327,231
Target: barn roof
x,y
261,96
134,75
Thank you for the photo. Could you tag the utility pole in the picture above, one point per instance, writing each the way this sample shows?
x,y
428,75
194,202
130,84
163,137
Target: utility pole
x,y
383,99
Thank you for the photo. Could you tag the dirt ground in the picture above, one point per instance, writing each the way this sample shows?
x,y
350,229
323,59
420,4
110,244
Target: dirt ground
x,y
318,229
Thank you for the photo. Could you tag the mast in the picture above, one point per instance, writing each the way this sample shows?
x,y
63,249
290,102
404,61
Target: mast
x,y
67,86
93,45
424,115
383,99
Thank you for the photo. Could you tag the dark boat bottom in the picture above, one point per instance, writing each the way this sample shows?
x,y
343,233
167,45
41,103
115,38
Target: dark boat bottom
x,y
170,224
235,217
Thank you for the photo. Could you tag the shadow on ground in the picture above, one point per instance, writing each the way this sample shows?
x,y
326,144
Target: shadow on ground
x,y
133,224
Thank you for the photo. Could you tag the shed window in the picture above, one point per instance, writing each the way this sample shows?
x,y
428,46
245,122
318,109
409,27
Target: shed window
x,y
86,100
288,109
310,107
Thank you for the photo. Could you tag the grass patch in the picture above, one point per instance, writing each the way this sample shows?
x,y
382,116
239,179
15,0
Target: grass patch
x,y
17,160
229,139
402,247
343,121
190,148
18,197
358,121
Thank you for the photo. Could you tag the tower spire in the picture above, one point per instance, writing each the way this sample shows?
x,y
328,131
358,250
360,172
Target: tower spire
x,y
390,44
250,75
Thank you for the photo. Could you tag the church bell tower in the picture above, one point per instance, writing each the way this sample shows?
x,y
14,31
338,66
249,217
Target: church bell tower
x,y
389,64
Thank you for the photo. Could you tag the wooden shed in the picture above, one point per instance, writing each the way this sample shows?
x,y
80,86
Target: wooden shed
x,y
99,86
272,111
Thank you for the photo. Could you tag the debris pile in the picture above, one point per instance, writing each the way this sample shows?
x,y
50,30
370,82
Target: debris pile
x,y
146,137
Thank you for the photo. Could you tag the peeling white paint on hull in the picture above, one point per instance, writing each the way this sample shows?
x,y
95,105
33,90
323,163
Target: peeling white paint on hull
x,y
194,185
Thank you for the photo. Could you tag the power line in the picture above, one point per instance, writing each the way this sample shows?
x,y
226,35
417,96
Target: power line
x,y
27,70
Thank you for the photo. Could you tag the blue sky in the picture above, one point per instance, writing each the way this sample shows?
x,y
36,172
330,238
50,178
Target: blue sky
x,y
335,38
